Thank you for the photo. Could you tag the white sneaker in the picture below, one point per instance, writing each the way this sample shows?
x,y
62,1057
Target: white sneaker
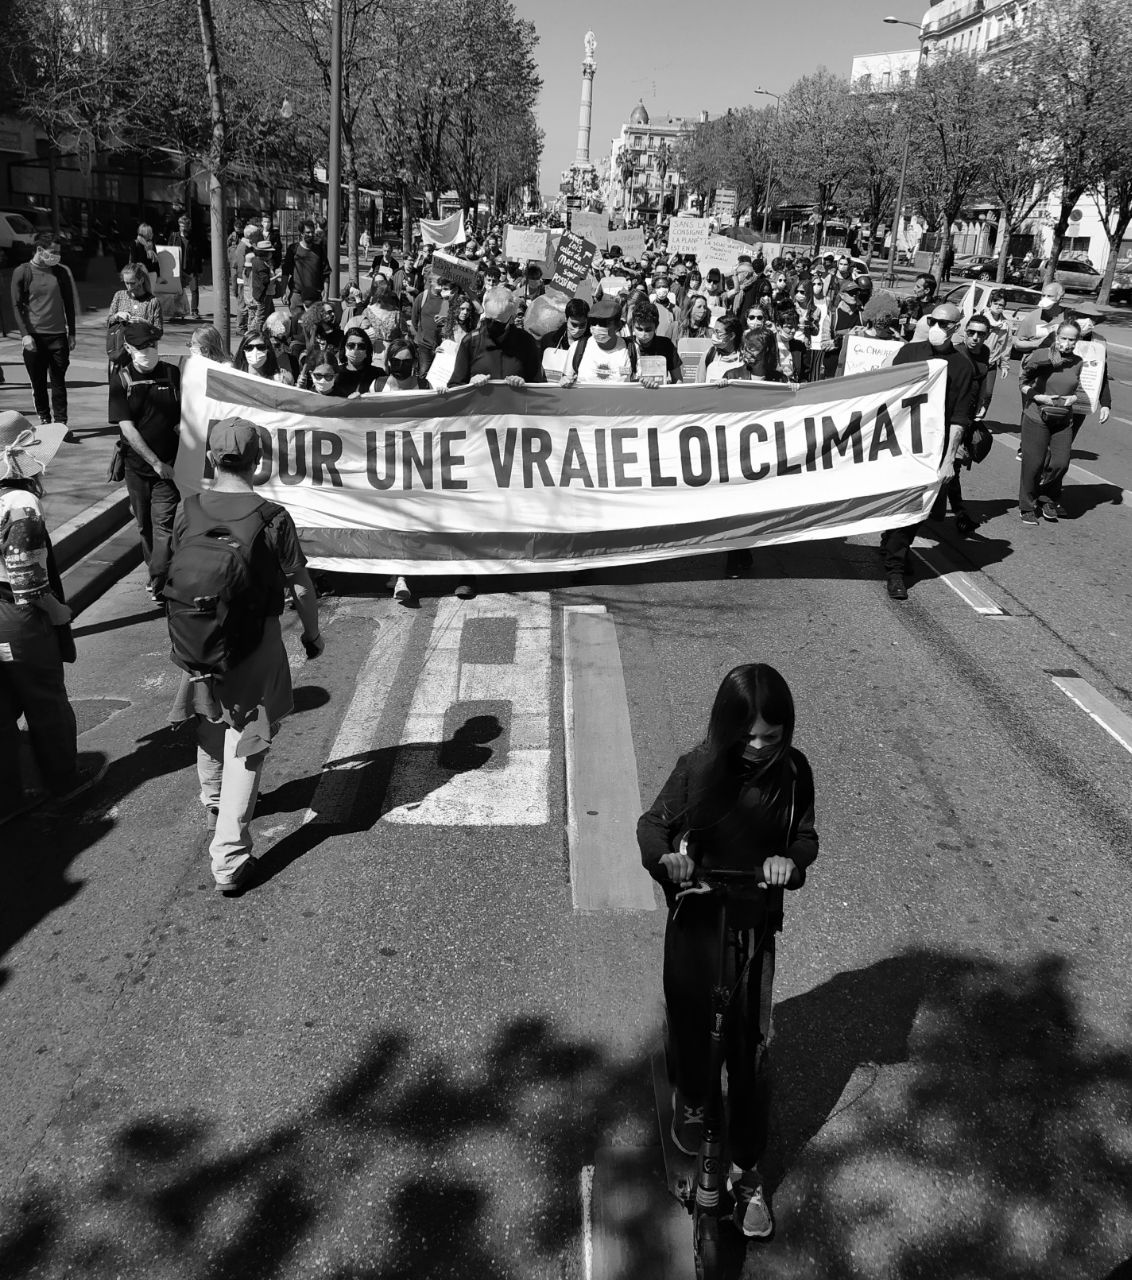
x,y
752,1214
401,592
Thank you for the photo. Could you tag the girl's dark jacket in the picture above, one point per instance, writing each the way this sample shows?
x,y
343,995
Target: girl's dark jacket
x,y
767,812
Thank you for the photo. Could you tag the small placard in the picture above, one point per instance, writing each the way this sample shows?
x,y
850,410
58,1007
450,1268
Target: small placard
x,y
653,367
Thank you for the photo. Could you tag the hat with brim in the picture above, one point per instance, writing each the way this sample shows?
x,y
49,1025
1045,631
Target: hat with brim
x,y
234,441
25,450
1089,309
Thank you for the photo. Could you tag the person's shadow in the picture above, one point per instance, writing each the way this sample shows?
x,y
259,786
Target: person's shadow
x,y
465,750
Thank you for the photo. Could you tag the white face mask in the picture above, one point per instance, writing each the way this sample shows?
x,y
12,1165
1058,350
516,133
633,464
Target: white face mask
x,y
145,359
255,357
938,336
48,259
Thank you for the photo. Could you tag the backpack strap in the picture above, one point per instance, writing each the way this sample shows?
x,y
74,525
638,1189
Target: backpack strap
x,y
579,351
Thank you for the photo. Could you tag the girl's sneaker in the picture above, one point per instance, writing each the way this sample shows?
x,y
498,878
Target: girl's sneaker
x,y
687,1125
752,1214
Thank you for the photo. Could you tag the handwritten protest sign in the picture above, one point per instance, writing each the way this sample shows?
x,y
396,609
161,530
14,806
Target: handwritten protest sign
x,y
571,263
631,241
523,243
461,273
692,352
687,235
863,354
721,252
593,227
1092,374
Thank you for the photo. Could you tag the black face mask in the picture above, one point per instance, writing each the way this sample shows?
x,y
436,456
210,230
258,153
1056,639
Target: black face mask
x,y
495,328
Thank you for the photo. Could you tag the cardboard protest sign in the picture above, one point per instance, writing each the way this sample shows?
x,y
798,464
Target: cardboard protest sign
x,y
653,367
572,263
593,227
461,273
523,243
692,352
1093,355
687,235
631,242
554,363
863,354
721,252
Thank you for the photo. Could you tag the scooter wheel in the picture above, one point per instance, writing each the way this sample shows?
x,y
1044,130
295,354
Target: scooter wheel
x,y
709,1263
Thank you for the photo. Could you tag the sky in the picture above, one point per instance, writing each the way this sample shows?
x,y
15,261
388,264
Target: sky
x,y
687,56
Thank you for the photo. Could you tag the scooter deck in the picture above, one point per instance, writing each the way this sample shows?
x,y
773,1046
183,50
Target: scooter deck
x,y
679,1169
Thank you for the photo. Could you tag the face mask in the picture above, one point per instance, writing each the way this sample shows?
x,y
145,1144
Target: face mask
x,y
495,328
938,336
760,755
661,294
255,357
145,359
49,259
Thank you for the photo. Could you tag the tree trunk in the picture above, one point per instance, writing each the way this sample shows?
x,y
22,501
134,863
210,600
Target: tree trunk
x,y
406,218
1005,230
352,213
1069,199
222,317
1115,240
52,187
874,222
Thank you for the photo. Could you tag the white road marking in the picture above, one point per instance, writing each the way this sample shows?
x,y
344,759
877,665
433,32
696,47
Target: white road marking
x,y
338,787
603,799
964,587
516,794
587,1186
1096,706
1074,473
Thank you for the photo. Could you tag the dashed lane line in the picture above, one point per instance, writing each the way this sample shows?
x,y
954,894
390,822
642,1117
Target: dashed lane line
x,y
1116,723
964,586
603,798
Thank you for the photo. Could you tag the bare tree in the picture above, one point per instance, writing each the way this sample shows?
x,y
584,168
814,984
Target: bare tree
x,y
817,133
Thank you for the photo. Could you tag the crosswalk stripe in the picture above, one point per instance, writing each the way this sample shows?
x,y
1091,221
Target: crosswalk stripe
x,y
338,786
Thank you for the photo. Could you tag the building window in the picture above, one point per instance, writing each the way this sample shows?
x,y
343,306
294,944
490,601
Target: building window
x,y
886,81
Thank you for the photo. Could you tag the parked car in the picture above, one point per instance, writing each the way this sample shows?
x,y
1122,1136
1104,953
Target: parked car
x,y
1121,291
17,236
1074,271
982,266
40,220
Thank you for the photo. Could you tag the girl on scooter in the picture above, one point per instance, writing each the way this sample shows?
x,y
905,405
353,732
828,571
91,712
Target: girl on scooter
x,y
741,800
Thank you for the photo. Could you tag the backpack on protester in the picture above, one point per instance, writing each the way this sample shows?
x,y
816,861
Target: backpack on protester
x,y
222,581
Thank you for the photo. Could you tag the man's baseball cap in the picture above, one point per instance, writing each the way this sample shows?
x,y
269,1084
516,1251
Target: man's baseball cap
x,y
140,333
234,441
604,311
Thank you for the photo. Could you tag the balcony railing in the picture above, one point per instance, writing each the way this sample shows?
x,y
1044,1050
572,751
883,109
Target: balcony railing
x,y
935,25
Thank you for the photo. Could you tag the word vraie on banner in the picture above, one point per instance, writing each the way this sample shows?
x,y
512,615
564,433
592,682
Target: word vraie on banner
x,y
572,261
500,479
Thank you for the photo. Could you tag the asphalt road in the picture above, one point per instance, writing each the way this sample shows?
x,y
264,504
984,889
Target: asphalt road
x,y
407,1053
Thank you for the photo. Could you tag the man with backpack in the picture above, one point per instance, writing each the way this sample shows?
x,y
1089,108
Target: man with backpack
x,y
234,555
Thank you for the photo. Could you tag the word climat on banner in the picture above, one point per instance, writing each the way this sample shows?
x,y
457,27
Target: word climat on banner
x,y
572,261
496,478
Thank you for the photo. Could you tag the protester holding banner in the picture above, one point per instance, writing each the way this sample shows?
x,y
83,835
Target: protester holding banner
x,y
658,363
257,355
725,359
602,355
498,349
356,372
959,400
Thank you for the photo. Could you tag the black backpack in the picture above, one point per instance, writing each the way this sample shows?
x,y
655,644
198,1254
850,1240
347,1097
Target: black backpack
x,y
222,585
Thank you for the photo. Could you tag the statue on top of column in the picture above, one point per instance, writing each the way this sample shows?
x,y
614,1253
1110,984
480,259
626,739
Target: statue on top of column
x,y
591,46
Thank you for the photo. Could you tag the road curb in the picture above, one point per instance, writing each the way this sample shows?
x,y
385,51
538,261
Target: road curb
x,y
93,525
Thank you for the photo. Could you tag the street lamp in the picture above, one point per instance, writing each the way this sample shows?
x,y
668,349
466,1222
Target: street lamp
x,y
891,279
334,160
766,93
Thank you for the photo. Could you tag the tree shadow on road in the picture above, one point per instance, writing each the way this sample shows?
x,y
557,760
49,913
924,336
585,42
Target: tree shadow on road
x,y
991,1138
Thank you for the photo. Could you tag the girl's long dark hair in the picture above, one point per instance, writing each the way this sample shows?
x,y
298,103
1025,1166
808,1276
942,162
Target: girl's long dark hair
x,y
746,693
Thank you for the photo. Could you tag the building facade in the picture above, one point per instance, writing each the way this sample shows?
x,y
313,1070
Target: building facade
x,y
986,29
644,182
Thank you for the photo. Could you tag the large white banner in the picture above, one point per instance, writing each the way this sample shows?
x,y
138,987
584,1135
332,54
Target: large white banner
x,y
495,479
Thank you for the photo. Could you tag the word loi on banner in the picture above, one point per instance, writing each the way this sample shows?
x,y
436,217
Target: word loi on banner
x,y
591,226
687,235
864,354
498,479
630,240
462,274
572,261
522,244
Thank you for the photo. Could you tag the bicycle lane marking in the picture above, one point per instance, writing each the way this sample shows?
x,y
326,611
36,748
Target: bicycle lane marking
x,y
602,789
475,747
